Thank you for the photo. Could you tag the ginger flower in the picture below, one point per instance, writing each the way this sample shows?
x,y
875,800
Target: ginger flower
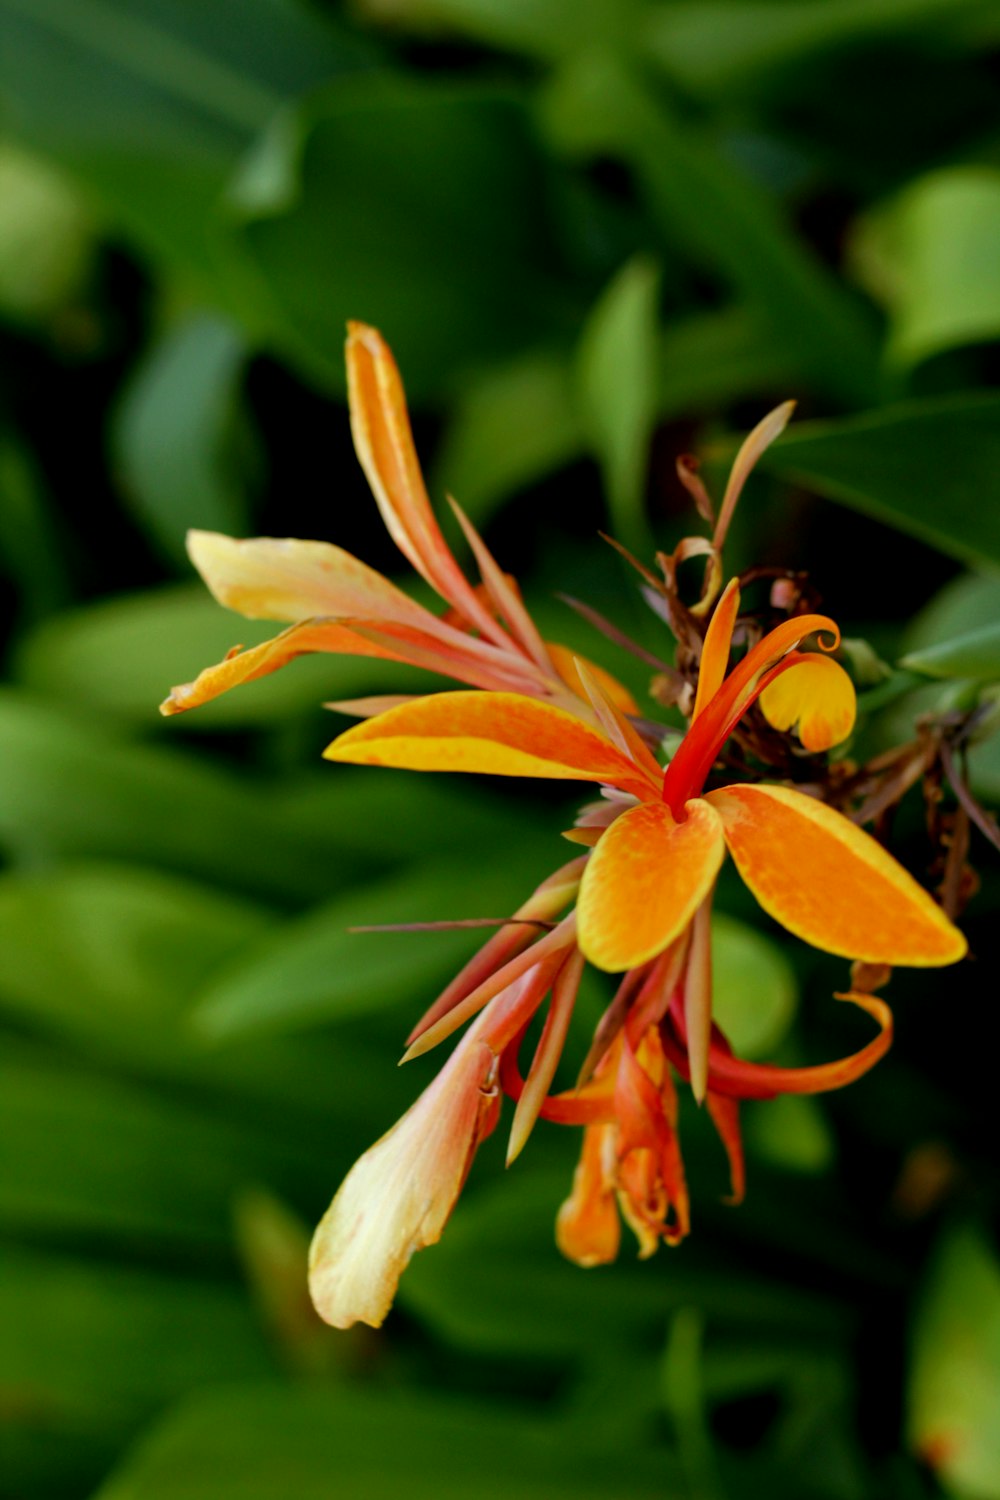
x,y
636,902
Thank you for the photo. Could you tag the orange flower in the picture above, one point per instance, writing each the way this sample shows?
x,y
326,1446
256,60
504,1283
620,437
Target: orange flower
x,y
338,604
637,902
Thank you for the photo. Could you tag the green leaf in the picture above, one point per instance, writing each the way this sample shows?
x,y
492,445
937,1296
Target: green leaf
x,y
317,971
88,1359
954,1391
719,218
68,788
496,1281
31,549
733,47
547,29
46,240
512,425
754,991
320,1443
181,442
791,1131
922,466
617,371
932,256
710,359
120,657
152,103
372,220
975,655
85,1155
966,604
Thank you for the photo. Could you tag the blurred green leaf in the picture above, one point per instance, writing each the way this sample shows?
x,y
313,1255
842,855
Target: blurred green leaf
x,y
976,655
372,220
152,103
268,1443
719,218
88,1358
182,446
317,971
46,240
83,1154
512,425
69,788
728,47
273,1244
754,990
712,358
791,1131
496,1281
546,29
954,1392
31,550
922,466
932,255
966,604
617,370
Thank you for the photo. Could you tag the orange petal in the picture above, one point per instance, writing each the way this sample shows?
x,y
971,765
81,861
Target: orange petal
x,y
645,881
715,650
756,443
817,695
587,1227
246,666
383,440
547,1054
564,660
272,578
732,1078
829,883
497,734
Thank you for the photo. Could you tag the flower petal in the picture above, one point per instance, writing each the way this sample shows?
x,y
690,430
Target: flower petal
x,y
275,578
383,441
497,734
817,695
588,1231
565,662
644,882
259,661
397,1198
818,875
715,649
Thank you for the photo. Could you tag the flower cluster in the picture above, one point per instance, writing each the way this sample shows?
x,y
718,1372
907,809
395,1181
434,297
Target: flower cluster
x,y
637,901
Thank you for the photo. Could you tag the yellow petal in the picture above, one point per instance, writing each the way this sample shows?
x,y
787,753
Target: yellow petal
x,y
644,882
497,734
259,661
817,695
829,883
272,578
397,1198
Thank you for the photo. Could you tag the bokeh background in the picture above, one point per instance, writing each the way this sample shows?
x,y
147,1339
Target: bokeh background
x,y
597,234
